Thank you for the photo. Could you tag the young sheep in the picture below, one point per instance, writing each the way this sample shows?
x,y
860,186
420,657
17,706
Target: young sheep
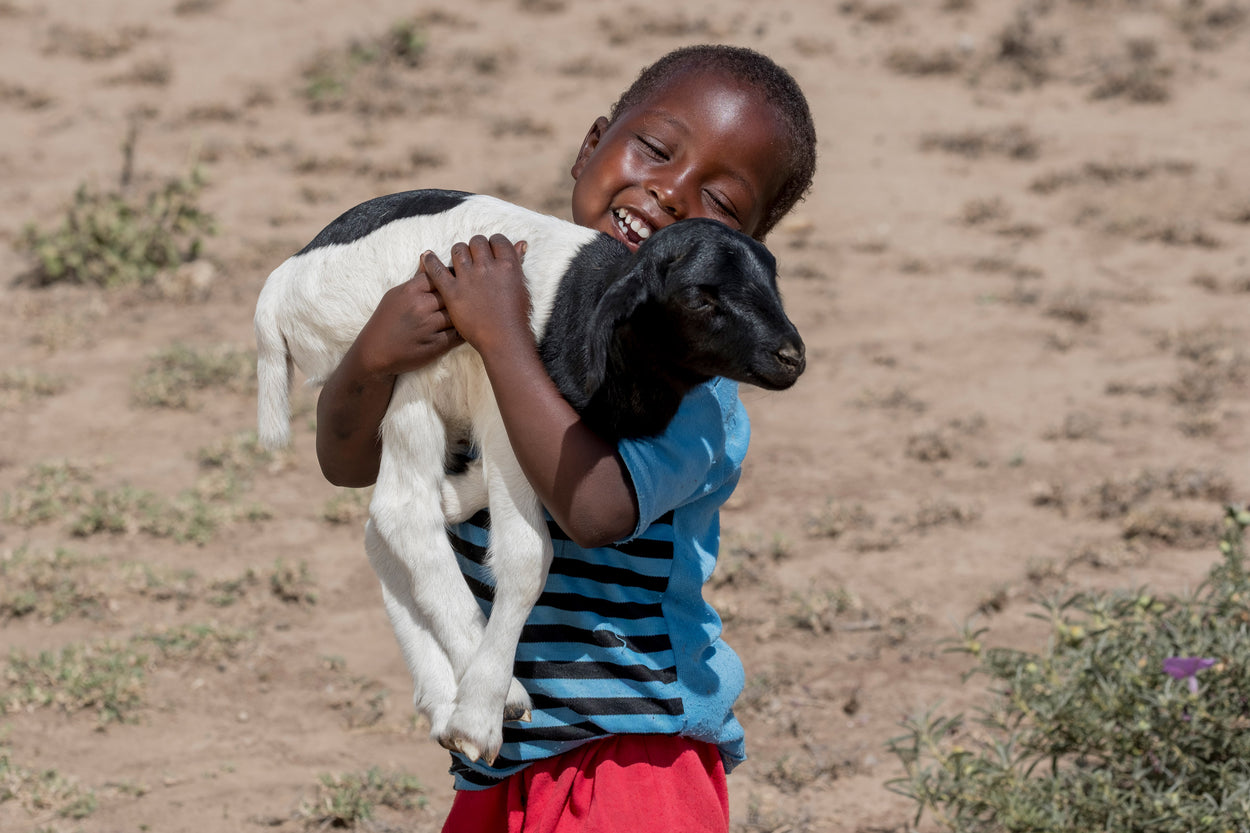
x,y
623,336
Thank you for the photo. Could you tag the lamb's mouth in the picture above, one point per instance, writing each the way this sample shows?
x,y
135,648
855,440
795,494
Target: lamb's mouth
x,y
633,228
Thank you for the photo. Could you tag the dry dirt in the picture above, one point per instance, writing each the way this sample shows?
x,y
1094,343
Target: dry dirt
x,y
1022,277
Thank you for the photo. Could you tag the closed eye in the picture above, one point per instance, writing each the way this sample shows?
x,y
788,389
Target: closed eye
x,y
653,148
723,206
698,299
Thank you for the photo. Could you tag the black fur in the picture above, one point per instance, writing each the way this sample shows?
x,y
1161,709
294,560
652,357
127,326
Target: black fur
x,y
370,216
628,337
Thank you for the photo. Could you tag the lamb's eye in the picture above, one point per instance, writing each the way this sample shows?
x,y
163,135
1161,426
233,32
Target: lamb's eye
x,y
698,299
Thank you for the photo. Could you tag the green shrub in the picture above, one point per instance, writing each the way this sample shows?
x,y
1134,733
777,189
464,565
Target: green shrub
x,y
349,800
109,677
1135,717
329,76
177,372
112,239
50,586
42,792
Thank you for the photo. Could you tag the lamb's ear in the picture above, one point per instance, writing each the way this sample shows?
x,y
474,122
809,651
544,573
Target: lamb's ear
x,y
622,298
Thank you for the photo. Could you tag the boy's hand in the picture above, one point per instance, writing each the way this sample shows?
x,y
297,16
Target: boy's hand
x,y
484,291
409,329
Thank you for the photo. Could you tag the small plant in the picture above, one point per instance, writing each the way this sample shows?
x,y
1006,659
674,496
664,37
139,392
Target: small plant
x,y
161,584
1023,50
107,677
818,610
1137,76
939,512
114,238
931,446
348,506
227,592
238,455
328,77
1014,141
40,792
293,584
63,491
52,587
837,518
349,800
47,492
914,62
177,372
21,385
1134,717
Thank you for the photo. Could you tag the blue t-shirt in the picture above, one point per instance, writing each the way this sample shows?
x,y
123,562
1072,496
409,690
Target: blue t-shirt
x,y
621,640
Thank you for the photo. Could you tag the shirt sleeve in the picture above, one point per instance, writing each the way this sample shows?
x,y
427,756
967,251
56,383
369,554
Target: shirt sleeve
x,y
699,454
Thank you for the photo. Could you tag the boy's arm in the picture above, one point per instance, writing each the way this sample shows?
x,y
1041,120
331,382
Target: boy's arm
x,y
579,476
409,329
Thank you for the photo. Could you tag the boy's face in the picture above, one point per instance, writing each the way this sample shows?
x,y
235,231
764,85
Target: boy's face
x,y
703,145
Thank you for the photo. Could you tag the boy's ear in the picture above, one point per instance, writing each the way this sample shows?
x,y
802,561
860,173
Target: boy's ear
x,y
589,144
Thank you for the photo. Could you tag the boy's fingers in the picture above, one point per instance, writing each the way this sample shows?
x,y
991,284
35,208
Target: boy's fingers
x,y
434,269
480,248
462,252
501,246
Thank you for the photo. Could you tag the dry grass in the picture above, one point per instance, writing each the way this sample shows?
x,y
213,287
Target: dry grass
x,y
21,385
1110,174
177,375
1138,75
1014,141
921,62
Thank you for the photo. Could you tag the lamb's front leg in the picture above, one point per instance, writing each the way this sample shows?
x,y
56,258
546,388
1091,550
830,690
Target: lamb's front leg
x,y
519,557
413,557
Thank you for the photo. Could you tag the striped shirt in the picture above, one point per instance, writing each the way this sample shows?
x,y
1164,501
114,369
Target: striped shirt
x,y
621,640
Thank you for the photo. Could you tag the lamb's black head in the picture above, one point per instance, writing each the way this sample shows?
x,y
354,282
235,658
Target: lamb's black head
x,y
703,298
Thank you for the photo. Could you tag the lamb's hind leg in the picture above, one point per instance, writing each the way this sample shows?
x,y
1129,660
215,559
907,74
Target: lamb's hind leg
x,y
434,681
519,556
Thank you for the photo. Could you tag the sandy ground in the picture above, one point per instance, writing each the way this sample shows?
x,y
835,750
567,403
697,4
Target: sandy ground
x,y
1022,278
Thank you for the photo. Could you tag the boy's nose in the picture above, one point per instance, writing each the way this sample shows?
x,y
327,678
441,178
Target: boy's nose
x,y
669,199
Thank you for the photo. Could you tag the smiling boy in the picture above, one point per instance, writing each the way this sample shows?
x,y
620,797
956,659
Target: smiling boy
x,y
632,685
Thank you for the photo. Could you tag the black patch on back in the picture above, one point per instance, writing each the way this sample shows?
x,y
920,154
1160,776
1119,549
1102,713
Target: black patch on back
x,y
371,215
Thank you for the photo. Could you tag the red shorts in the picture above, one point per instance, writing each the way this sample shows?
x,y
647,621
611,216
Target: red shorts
x,y
618,784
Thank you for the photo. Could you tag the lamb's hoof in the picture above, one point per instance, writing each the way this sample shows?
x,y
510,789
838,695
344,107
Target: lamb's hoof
x,y
518,705
456,742
516,711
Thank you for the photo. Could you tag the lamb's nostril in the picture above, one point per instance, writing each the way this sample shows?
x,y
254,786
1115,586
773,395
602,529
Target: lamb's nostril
x,y
791,354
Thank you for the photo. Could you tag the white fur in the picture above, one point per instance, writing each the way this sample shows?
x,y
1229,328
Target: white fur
x,y
310,311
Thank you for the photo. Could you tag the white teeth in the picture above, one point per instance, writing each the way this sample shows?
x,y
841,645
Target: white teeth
x,y
639,227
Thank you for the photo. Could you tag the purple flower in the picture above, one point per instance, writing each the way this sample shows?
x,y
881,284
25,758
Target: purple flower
x,y
1186,668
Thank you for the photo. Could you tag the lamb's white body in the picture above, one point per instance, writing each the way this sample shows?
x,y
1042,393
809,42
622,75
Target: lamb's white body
x,y
310,311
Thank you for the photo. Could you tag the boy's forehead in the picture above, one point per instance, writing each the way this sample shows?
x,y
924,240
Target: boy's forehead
x,y
694,86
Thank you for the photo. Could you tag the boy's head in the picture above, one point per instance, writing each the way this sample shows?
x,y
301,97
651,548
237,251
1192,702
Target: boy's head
x,y
707,131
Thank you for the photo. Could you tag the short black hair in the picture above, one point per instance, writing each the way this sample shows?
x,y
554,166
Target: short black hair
x,y
778,87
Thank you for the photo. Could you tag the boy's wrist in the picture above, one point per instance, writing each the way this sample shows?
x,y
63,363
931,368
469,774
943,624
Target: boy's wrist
x,y
508,348
366,366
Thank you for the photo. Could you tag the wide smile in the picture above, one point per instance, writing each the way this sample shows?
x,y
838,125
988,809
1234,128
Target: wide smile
x,y
632,228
